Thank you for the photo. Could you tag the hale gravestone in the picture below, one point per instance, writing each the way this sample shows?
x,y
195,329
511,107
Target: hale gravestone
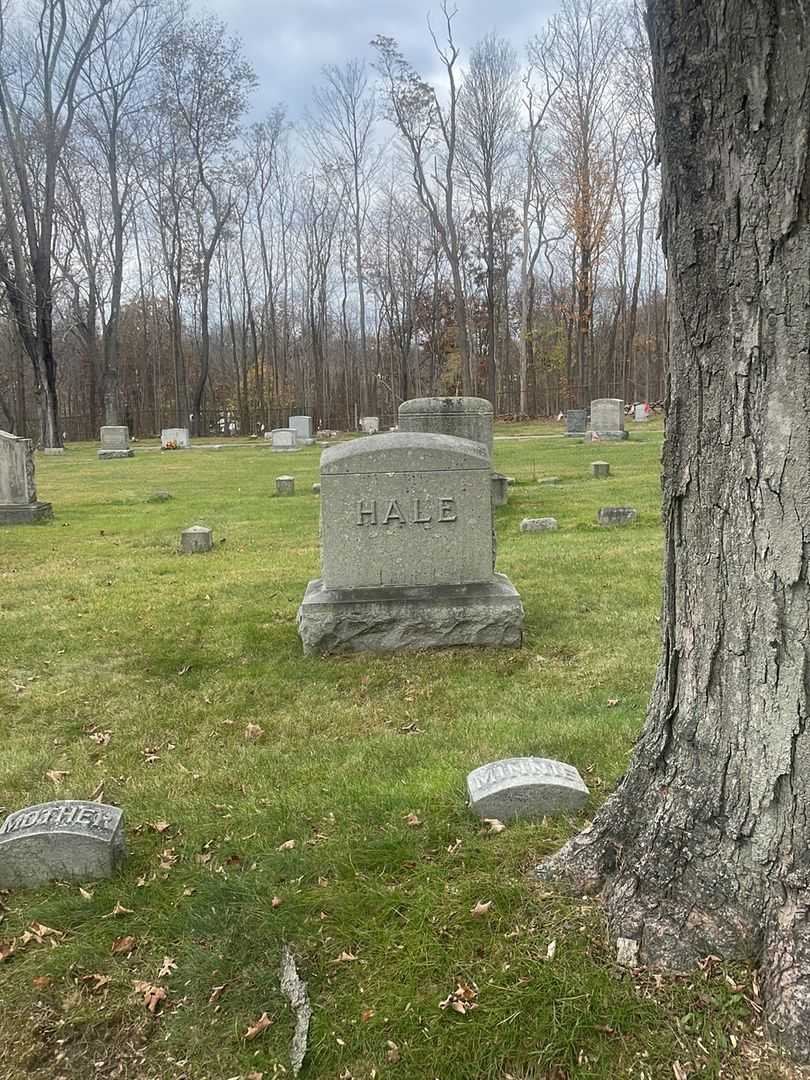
x,y
407,550
525,787
607,420
543,524
174,438
302,426
65,841
616,515
464,417
284,439
196,540
115,442
576,421
18,493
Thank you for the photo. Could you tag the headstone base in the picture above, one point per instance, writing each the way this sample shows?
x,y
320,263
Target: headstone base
x,y
104,454
31,514
410,618
599,436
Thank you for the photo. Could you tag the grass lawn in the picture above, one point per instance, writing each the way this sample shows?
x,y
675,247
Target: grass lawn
x,y
129,669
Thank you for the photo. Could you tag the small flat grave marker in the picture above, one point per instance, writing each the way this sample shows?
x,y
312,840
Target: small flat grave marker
x,y
69,840
525,787
616,515
600,469
543,524
195,540
285,485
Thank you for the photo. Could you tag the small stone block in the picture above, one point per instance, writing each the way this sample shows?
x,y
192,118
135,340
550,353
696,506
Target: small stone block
x,y
197,539
525,787
549,480
616,515
316,489
600,469
543,524
69,840
53,451
285,485
500,489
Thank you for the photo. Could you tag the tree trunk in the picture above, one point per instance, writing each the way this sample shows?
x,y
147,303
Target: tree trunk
x,y
704,846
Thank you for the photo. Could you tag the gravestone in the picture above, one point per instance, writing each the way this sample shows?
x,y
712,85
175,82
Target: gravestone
x,y
464,417
284,439
641,412
18,493
285,485
500,489
543,524
607,420
576,421
302,426
196,540
69,840
370,424
600,469
407,550
53,451
115,442
525,787
175,438
616,515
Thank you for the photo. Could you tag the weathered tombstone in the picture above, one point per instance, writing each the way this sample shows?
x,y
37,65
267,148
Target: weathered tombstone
x,y
284,439
607,420
407,550
18,493
285,485
175,438
500,489
641,412
196,540
525,787
302,426
616,515
115,442
543,524
600,469
464,417
370,424
576,421
68,840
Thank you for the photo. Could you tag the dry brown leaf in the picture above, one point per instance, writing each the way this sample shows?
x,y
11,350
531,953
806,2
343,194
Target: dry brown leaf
x,y
462,999
152,995
276,902
124,945
481,909
495,826
253,732
85,893
344,957
158,826
41,982
288,845
119,909
56,776
167,967
7,949
262,1024
99,981
215,994
255,1076
168,857
412,821
613,701
40,931
454,847
392,1053
366,1015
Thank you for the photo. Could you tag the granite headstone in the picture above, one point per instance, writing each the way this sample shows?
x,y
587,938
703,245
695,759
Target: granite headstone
x,y
525,787
115,442
18,493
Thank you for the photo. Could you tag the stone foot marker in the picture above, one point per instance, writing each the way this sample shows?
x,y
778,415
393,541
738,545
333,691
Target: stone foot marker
x,y
543,524
196,540
616,515
600,469
407,550
525,787
607,420
68,840
18,493
285,485
175,438
115,443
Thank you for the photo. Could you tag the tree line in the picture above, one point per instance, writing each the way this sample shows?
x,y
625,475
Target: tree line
x,y
165,261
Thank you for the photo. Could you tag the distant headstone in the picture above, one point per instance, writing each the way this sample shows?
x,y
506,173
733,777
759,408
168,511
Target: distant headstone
x,y
525,787
641,412
500,489
18,493
53,451
195,540
407,550
464,417
549,480
543,524
68,840
600,469
576,421
616,515
115,442
302,426
316,489
284,439
370,424
175,438
607,420
159,496
285,485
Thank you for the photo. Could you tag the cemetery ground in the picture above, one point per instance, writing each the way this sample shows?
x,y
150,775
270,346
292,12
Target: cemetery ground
x,y
271,798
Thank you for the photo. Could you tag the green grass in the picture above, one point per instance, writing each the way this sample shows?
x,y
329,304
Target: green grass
x,y
104,628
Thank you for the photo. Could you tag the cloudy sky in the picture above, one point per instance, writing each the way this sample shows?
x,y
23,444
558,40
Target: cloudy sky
x,y
289,41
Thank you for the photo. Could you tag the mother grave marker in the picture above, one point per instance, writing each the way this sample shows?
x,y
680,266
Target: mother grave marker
x,y
525,787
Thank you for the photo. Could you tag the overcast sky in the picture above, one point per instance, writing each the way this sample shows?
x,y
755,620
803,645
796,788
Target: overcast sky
x,y
289,41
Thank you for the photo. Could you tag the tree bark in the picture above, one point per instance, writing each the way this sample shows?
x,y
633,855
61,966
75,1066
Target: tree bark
x,y
704,846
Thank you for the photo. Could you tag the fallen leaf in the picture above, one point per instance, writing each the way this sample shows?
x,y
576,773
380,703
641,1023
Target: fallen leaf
x,y
167,967
40,931
215,994
481,909
7,949
168,857
613,701
255,1076
366,1015
288,845
412,821
392,1053
99,981
454,847
262,1024
276,902
123,945
152,995
495,826
41,982
189,890
462,999
344,957
56,776
119,909
85,893
158,826
551,951
253,731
